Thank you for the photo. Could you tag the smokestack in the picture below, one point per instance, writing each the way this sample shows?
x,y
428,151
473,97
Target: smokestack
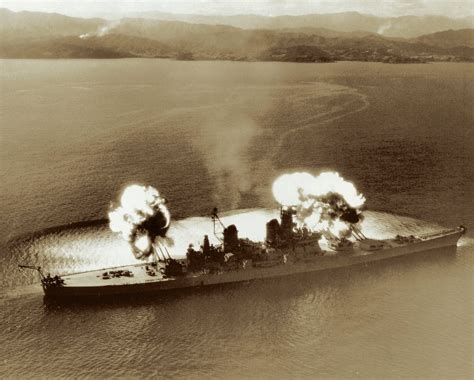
x,y
273,230
287,224
231,239
206,247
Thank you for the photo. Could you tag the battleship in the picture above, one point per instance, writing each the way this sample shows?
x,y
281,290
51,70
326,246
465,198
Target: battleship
x,y
287,249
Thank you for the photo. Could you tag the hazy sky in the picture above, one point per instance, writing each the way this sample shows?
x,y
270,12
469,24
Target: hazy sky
x,y
117,8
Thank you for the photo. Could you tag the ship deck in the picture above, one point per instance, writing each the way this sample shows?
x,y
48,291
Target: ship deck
x,y
146,273
139,275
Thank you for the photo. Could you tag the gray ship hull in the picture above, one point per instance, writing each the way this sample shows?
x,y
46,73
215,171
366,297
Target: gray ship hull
x,y
92,283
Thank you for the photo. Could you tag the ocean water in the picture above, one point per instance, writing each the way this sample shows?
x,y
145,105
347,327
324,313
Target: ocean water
x,y
74,133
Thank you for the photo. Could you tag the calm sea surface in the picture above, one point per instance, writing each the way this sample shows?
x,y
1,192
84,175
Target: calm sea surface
x,y
74,133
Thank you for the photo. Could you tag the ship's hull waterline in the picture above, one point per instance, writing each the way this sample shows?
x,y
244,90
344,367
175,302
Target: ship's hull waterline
x,y
91,284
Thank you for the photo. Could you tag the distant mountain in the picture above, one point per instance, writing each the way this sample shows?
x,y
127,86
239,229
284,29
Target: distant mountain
x,y
227,42
130,45
413,26
328,33
298,53
63,47
344,22
403,27
108,46
449,38
66,37
16,25
204,41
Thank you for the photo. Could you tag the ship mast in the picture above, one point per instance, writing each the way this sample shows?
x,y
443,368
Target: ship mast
x,y
217,223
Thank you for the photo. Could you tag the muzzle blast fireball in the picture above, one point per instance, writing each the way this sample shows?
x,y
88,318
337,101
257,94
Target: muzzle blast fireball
x,y
141,218
325,203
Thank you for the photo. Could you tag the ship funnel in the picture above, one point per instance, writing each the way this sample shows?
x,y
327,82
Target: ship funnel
x,y
273,229
206,247
287,225
231,238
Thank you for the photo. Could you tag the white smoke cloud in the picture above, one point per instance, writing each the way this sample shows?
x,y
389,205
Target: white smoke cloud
x,y
384,27
102,31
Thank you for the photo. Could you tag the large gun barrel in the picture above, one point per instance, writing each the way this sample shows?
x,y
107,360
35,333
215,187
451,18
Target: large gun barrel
x,y
37,268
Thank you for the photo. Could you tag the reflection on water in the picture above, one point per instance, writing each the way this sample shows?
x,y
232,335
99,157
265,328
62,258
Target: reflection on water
x,y
211,330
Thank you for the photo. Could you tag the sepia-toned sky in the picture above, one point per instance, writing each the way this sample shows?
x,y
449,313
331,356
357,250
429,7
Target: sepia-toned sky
x,y
118,8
